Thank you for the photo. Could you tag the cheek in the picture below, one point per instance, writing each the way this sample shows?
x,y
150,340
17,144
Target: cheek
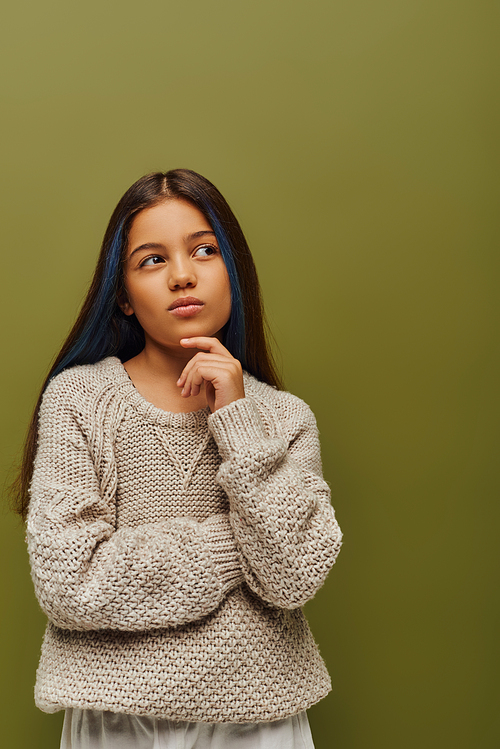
x,y
142,291
124,298
225,295
224,282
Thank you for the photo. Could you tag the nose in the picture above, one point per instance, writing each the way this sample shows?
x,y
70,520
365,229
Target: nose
x,y
182,275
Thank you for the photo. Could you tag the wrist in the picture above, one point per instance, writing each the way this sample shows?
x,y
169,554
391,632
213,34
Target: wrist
x,y
236,425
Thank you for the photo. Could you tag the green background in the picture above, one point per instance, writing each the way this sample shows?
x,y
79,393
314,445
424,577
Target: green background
x,y
357,142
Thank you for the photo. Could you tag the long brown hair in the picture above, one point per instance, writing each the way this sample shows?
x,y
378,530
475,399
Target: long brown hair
x,y
102,329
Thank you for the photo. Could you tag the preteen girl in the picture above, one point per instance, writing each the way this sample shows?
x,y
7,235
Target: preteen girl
x,y
178,519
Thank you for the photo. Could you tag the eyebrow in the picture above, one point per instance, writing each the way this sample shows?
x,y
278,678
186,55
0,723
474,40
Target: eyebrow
x,y
160,246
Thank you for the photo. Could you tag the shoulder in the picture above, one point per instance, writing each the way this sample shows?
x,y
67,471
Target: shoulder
x,y
291,412
82,383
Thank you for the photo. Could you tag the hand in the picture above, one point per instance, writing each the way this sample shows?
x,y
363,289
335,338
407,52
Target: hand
x,y
221,373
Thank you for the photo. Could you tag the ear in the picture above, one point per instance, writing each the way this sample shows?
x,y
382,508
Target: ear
x,y
124,303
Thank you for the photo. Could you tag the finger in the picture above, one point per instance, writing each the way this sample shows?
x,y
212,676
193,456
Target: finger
x,y
206,370
201,358
222,386
205,344
203,372
193,384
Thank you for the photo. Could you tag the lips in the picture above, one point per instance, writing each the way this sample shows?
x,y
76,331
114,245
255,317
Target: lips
x,y
185,301
186,306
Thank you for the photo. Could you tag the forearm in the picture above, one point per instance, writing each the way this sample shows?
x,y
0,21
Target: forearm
x,y
280,508
157,575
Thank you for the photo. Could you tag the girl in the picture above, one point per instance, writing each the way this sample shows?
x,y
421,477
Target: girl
x,y
178,518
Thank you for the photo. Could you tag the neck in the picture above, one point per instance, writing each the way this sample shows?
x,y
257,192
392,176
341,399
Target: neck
x,y
155,372
158,362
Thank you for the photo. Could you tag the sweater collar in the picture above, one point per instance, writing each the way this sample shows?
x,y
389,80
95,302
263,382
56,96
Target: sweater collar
x,y
114,370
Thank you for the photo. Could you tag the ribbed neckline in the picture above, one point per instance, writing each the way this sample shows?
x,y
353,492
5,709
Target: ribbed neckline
x,y
191,420
195,420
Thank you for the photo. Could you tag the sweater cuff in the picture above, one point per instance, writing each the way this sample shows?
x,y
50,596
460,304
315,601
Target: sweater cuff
x,y
236,427
222,545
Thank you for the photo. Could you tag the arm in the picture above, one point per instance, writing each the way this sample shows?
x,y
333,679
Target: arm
x,y
280,505
86,574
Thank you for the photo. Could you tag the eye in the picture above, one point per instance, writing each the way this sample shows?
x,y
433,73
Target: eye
x,y
153,259
205,250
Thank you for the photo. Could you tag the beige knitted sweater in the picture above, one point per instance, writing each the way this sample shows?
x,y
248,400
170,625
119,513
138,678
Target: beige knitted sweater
x,y
172,552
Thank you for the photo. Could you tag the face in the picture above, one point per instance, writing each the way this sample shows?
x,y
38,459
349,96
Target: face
x,y
176,281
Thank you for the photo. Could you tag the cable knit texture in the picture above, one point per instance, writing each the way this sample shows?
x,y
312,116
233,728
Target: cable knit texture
x,y
172,552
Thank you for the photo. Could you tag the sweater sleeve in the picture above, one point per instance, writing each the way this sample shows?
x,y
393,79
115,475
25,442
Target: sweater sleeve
x,y
87,574
280,505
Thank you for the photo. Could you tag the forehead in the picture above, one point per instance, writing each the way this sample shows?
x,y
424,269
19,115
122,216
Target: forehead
x,y
169,221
